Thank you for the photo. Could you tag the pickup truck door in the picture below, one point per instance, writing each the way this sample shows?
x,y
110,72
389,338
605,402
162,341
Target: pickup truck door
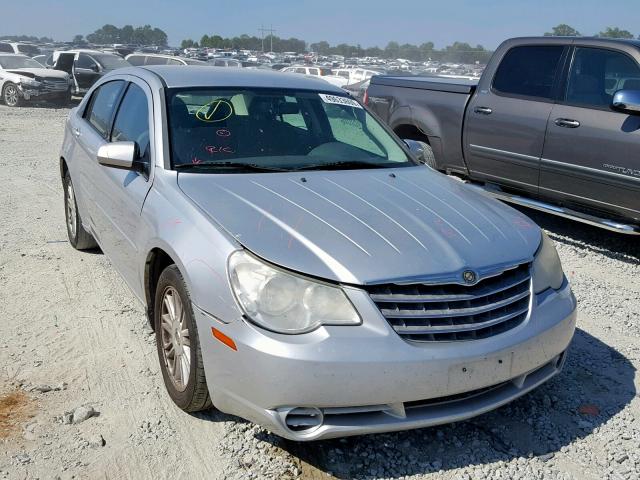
x,y
592,153
505,122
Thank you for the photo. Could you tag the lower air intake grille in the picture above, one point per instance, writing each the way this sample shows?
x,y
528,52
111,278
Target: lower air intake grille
x,y
451,312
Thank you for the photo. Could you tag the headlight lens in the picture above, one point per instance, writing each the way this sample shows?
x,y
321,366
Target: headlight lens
x,y
286,303
547,269
30,82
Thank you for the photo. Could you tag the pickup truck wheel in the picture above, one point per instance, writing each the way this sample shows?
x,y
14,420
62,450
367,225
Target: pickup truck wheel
x,y
178,343
79,238
11,95
427,155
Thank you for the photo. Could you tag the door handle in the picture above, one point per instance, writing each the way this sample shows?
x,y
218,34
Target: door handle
x,y
76,131
483,110
567,123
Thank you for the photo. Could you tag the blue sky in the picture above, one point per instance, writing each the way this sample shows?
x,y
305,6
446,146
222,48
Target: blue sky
x,y
370,22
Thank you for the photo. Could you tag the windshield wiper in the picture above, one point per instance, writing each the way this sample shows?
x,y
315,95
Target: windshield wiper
x,y
248,166
344,164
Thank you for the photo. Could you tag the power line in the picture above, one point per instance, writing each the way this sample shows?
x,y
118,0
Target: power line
x,y
262,31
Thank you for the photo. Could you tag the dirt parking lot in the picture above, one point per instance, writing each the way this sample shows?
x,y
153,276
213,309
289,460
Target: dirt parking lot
x,y
72,336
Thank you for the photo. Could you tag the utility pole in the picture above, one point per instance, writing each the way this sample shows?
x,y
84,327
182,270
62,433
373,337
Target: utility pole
x,y
271,32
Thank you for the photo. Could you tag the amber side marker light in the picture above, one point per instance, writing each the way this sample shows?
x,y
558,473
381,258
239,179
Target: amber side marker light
x,y
224,339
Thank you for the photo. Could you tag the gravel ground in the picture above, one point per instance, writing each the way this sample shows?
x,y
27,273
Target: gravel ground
x,y
81,395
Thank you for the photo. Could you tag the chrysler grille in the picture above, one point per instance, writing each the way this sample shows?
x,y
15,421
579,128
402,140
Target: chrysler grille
x,y
450,312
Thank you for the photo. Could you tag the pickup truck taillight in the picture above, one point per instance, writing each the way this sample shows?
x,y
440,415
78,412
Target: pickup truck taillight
x,y
365,99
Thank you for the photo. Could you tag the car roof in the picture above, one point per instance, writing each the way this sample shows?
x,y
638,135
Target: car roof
x,y
593,40
210,76
7,54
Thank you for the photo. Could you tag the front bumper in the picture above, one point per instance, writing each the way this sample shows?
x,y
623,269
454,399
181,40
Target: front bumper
x,y
366,379
43,92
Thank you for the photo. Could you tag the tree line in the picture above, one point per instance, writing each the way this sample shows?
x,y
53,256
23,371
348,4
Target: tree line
x,y
107,34
564,30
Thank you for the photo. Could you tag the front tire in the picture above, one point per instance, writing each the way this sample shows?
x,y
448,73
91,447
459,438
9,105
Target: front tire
x,y
11,95
178,343
79,238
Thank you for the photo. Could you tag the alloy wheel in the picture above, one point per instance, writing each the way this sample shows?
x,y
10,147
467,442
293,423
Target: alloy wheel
x,y
176,344
71,210
11,95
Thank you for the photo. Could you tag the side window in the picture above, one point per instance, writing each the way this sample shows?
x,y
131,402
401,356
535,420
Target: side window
x,y
219,63
301,70
132,121
156,61
596,74
85,61
313,71
136,60
5,47
101,106
528,71
172,61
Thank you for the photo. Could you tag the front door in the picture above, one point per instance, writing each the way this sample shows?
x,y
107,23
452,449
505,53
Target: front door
x,y
592,153
505,124
121,193
86,72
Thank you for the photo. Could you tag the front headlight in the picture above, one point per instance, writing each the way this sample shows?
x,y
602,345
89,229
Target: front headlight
x,y
284,302
29,82
547,269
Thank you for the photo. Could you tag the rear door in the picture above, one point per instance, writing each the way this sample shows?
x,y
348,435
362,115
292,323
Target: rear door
x,y
506,121
592,154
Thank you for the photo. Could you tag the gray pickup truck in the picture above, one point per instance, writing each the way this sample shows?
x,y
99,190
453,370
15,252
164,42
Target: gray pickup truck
x,y
553,124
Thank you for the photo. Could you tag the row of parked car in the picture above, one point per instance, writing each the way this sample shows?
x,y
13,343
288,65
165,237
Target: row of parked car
x,y
60,74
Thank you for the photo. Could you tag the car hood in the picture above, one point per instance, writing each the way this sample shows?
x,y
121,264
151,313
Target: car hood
x,y
398,225
39,72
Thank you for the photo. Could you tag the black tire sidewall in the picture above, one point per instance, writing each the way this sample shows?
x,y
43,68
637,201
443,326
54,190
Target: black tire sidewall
x,y
171,276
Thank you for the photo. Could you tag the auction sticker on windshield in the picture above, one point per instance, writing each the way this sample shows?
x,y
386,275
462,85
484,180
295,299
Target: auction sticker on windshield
x,y
349,102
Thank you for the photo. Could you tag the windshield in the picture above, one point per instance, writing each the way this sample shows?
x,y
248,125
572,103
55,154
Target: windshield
x,y
281,130
16,61
111,62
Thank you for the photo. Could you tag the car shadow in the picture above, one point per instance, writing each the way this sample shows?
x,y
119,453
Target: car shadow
x,y
596,384
49,105
617,246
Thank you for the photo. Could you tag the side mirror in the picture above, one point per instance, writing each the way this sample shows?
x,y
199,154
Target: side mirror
x,y
415,147
118,155
627,101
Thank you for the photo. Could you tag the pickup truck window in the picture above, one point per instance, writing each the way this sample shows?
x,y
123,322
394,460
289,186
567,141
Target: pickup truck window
x,y
213,130
597,73
528,71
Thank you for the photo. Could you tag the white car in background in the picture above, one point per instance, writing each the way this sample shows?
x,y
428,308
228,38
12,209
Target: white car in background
x,y
23,79
355,75
323,72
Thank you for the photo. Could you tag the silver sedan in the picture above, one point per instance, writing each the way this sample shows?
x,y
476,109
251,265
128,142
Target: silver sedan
x,y
301,268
